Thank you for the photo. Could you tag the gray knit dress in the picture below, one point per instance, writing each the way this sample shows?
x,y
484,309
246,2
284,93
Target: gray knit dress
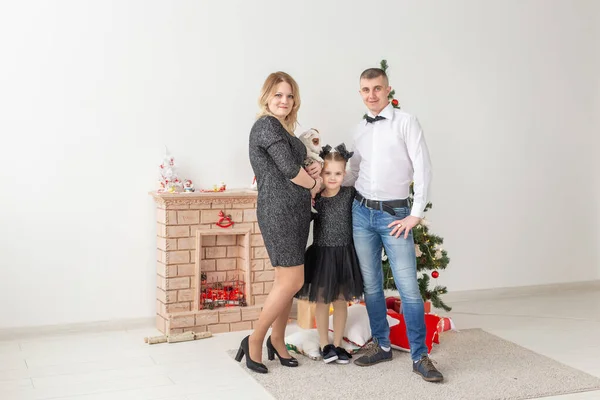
x,y
283,208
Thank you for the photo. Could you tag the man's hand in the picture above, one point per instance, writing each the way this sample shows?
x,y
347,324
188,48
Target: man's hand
x,y
314,169
404,225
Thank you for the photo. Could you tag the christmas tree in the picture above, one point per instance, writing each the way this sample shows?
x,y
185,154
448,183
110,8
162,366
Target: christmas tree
x,y
168,179
384,66
430,255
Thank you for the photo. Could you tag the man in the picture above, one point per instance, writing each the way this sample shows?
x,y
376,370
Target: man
x,y
389,153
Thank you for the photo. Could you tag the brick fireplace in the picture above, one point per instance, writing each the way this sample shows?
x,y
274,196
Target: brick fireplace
x,y
191,246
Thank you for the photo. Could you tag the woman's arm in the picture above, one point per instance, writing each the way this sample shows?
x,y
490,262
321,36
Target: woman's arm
x,y
305,180
279,150
282,156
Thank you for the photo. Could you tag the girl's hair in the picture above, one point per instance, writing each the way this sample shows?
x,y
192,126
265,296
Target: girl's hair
x,y
335,156
341,154
268,91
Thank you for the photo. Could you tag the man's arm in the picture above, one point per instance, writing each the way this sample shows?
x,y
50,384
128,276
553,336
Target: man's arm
x,y
352,172
419,155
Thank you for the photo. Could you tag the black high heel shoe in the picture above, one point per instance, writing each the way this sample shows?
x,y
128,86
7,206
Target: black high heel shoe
x,y
271,351
245,351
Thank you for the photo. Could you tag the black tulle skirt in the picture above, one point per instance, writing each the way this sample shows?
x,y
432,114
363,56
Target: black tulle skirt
x,y
331,273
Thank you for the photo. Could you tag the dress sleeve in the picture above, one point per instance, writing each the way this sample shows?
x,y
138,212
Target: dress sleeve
x,y
269,136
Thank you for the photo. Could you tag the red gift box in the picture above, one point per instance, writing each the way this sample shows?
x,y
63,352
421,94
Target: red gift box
x,y
394,303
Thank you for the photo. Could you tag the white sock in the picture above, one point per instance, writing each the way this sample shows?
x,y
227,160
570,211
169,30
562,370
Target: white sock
x,y
385,348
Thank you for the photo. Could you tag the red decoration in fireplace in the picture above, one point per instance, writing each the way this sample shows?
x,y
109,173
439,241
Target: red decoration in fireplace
x,y
227,294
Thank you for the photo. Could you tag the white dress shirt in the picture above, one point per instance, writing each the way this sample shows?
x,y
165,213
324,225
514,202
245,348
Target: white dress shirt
x,y
389,154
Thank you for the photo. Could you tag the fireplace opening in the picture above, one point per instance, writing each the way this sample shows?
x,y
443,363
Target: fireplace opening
x,y
222,270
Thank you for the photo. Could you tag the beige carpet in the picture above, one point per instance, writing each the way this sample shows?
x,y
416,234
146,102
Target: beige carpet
x,y
476,365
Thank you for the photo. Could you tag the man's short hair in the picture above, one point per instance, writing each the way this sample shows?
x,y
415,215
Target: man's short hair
x,y
373,73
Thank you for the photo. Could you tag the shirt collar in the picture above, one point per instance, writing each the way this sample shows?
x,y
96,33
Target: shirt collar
x,y
387,112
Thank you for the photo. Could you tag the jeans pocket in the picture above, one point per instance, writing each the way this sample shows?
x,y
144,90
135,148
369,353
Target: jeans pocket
x,y
402,212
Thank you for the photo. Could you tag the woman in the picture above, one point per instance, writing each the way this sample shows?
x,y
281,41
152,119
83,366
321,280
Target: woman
x,y
283,211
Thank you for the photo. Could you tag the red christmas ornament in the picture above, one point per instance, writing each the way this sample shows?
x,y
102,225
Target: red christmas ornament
x,y
394,102
435,274
224,220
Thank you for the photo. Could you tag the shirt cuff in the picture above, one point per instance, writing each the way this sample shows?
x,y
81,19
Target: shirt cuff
x,y
418,210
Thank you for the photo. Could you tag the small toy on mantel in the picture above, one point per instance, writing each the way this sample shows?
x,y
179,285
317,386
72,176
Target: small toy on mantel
x,y
188,186
177,337
216,188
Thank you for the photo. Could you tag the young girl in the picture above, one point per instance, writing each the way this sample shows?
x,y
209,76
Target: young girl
x,y
331,270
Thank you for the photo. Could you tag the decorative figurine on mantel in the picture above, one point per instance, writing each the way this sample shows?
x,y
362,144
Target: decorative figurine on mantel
x,y
168,179
216,188
188,186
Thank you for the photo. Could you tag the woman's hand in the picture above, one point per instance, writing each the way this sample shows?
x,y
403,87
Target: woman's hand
x,y
314,169
317,189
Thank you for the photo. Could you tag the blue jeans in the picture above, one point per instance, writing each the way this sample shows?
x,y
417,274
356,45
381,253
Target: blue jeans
x,y
371,232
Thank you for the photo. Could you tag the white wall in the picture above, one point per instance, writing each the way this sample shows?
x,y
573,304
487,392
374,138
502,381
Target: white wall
x,y
596,134
92,91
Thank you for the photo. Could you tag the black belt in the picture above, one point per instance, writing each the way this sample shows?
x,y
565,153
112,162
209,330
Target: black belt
x,y
387,206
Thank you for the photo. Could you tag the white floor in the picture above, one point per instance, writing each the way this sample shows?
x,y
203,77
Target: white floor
x,y
117,364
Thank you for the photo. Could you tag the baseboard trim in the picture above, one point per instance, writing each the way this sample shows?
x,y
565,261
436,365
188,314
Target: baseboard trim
x,y
519,291
72,329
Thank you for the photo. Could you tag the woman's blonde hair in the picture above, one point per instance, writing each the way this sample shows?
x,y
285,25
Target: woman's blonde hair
x,y
268,91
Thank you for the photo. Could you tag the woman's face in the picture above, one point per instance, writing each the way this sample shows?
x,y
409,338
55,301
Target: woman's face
x,y
282,101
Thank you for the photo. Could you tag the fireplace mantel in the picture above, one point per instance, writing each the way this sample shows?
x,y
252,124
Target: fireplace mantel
x,y
226,197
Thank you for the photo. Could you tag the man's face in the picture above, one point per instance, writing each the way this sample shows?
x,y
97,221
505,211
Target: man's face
x,y
375,93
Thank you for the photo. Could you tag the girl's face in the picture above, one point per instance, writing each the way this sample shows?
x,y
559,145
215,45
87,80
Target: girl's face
x,y
282,101
333,174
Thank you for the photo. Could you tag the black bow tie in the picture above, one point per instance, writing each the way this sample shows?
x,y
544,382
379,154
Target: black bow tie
x,y
377,118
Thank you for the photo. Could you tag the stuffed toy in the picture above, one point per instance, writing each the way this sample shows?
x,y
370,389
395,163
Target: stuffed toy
x,y
306,342
312,141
